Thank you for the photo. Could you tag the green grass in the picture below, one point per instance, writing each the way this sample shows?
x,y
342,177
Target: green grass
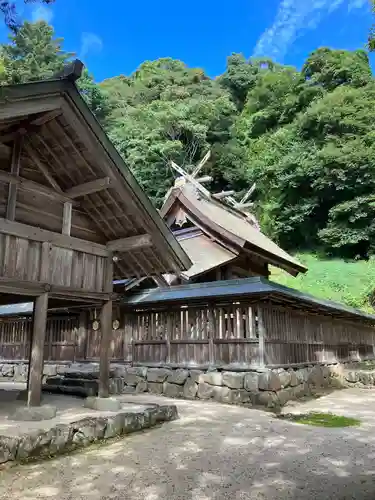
x,y
323,420
347,282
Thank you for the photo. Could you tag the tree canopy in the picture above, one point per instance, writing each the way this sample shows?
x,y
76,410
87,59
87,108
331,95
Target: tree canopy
x,y
305,137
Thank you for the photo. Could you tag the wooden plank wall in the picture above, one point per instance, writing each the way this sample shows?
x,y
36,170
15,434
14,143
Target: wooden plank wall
x,y
60,345
33,261
245,334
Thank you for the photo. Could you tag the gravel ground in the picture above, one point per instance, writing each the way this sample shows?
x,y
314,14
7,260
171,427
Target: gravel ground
x,y
217,452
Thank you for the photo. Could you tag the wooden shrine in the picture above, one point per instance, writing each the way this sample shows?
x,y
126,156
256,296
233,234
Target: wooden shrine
x,y
72,216
220,235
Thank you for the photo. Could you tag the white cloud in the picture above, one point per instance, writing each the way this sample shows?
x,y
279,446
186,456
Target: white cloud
x,y
292,18
41,13
358,4
90,42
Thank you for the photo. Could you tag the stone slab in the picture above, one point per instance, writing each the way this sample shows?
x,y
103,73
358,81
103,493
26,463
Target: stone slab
x,y
34,413
76,426
102,404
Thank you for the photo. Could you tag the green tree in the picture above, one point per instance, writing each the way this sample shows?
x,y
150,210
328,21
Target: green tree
x,y
316,173
166,111
33,53
331,68
95,97
371,37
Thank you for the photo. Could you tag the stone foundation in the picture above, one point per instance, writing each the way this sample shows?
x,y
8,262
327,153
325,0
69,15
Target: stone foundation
x,y
65,437
259,387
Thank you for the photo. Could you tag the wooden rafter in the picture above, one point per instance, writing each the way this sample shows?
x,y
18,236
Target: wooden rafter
x,y
32,186
131,243
42,168
15,170
88,187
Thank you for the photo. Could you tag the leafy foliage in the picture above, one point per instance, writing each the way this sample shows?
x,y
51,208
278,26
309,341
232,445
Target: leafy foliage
x,y
33,54
166,111
305,137
348,282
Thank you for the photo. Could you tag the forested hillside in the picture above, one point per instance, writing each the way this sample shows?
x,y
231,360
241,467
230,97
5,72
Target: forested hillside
x,y
306,137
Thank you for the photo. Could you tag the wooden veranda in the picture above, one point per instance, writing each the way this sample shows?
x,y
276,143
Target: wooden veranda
x,y
72,217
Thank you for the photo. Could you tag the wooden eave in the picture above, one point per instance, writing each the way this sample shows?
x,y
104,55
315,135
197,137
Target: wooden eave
x,y
67,157
224,236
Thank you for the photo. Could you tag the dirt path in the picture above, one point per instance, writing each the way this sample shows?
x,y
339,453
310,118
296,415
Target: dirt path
x,y
217,452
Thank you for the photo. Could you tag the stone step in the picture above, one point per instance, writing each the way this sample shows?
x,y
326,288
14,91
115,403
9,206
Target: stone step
x,y
74,386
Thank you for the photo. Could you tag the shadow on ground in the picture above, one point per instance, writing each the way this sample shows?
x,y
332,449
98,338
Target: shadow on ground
x,y
218,452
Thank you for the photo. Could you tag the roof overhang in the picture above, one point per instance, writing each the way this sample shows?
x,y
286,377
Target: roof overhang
x,y
60,98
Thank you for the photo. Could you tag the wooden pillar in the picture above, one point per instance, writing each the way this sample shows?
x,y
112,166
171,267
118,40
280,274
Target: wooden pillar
x,y
37,351
106,330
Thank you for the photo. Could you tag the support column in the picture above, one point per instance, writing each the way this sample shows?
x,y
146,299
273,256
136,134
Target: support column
x,y
37,351
105,341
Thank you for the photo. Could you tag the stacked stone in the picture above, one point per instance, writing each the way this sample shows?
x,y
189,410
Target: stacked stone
x,y
264,387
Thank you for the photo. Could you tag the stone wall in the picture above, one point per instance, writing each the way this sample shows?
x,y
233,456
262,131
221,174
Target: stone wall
x,y
263,387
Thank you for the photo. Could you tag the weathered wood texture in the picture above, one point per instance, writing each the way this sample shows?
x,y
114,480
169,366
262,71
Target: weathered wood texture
x,y
208,334
33,261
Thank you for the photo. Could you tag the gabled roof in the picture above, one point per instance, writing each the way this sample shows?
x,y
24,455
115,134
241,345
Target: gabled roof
x,y
63,138
227,224
205,253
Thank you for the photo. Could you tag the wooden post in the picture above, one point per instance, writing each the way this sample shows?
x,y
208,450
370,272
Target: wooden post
x,y
67,218
106,330
212,334
37,351
168,335
261,335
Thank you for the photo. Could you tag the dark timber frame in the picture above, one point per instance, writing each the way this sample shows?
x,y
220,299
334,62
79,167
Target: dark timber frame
x,y
72,216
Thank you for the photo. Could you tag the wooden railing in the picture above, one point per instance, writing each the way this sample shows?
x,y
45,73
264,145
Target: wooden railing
x,y
61,339
216,334
246,334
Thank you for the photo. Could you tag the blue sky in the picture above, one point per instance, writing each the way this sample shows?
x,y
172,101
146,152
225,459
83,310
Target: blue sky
x,y
113,37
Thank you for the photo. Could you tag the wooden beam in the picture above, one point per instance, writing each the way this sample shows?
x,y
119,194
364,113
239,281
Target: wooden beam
x,y
46,117
191,179
223,194
89,187
248,194
243,206
34,187
10,110
131,243
201,164
15,170
27,127
37,350
67,219
57,239
43,169
206,178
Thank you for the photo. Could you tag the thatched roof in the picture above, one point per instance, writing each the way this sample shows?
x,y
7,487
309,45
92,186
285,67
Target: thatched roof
x,y
225,224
